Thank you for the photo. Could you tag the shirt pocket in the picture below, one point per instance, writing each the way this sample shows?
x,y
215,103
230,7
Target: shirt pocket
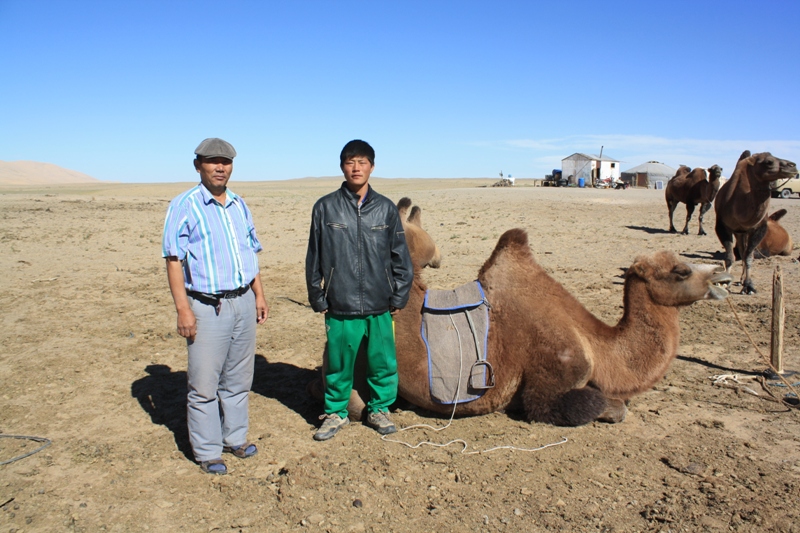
x,y
382,227
336,225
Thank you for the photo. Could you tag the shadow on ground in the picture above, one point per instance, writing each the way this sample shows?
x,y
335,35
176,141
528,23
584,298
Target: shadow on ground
x,y
651,231
287,384
162,395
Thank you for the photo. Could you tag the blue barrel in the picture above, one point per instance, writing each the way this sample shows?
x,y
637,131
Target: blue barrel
x,y
581,182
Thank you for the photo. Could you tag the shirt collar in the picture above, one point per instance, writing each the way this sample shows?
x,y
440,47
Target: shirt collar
x,y
208,197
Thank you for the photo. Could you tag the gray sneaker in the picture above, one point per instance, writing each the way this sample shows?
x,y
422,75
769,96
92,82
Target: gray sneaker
x,y
331,425
381,422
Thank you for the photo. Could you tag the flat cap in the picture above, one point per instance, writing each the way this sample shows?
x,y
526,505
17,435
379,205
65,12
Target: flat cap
x,y
215,147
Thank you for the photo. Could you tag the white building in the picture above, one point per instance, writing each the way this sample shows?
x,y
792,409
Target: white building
x,y
591,168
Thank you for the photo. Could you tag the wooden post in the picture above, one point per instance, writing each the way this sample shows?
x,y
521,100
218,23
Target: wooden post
x,y
778,317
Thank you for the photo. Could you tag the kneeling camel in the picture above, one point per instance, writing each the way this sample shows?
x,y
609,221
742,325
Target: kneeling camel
x,y
553,359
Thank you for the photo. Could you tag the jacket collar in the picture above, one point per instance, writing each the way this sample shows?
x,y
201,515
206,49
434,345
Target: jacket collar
x,y
350,195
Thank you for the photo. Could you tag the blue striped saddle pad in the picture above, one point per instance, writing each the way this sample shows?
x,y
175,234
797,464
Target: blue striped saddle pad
x,y
455,329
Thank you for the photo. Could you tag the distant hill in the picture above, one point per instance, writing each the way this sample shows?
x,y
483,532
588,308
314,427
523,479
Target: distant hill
x,y
35,173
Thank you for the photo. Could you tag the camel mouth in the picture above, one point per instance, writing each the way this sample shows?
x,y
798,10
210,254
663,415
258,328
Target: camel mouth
x,y
715,284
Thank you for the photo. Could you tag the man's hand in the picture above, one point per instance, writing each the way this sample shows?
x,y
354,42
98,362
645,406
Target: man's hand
x,y
262,309
187,324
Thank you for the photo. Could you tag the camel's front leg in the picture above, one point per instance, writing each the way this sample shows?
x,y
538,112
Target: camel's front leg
x,y
726,238
747,249
689,212
703,210
615,411
671,205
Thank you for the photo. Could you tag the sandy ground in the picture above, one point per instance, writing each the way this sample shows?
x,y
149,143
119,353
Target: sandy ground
x,y
90,359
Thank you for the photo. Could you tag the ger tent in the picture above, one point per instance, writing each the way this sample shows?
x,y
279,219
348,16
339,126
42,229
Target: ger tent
x,y
647,174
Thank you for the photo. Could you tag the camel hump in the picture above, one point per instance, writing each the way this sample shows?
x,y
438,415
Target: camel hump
x,y
513,239
777,215
403,205
416,216
516,237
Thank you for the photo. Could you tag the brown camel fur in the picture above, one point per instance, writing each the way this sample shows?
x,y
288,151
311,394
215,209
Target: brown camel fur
x,y
552,358
692,187
426,253
742,205
777,240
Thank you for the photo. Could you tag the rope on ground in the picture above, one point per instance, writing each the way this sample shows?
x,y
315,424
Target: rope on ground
x,y
46,442
453,414
765,358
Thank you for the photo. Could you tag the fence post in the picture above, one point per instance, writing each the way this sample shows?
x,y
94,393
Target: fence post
x,y
778,317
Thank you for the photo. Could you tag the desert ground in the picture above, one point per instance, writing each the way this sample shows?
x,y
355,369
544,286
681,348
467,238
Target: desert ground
x,y
91,361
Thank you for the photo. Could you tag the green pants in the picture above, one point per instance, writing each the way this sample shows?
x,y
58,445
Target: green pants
x,y
345,335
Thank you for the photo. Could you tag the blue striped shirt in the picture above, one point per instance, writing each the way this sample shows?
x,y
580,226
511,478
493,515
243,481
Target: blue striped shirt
x,y
217,244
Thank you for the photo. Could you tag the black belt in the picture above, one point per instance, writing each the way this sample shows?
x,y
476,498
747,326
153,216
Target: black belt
x,y
213,299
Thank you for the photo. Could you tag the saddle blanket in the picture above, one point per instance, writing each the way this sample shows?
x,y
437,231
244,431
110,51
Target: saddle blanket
x,y
455,329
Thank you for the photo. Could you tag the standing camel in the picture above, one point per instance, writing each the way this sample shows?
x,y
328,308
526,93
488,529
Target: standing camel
x,y
692,187
742,205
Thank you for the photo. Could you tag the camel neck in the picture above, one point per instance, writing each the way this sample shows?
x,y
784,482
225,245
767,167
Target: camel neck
x,y
645,344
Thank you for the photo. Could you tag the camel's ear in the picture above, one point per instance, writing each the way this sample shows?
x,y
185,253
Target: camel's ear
x,y
416,216
638,269
744,155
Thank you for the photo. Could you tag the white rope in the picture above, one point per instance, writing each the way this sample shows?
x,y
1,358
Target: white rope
x,y
453,414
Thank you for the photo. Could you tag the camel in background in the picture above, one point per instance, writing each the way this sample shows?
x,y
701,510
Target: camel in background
x,y
777,240
742,205
692,187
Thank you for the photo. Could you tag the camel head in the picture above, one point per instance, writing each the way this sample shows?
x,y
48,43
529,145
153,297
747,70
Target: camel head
x,y
714,173
672,282
765,167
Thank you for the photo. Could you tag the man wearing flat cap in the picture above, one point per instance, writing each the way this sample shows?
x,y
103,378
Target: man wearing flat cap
x,y
210,247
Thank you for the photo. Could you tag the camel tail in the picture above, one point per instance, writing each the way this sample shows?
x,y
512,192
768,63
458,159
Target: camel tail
x,y
516,238
777,215
403,205
574,408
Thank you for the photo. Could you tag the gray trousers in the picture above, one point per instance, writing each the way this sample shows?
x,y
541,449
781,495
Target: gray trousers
x,y
221,366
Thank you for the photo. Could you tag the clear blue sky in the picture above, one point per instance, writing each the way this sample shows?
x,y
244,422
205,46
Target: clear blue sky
x,y
124,91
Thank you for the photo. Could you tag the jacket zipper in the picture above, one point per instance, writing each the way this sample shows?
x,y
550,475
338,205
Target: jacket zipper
x,y
328,284
360,265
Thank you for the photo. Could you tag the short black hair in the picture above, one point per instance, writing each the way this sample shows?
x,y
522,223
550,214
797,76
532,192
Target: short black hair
x,y
356,148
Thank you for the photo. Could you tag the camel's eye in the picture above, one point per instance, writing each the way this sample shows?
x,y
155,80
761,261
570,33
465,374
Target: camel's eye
x,y
682,272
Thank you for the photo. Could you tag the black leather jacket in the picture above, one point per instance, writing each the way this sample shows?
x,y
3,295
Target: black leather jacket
x,y
357,261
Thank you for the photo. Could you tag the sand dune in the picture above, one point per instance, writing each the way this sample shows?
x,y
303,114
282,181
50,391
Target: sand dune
x,y
36,173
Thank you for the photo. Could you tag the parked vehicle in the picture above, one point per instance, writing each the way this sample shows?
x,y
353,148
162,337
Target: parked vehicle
x,y
555,179
786,189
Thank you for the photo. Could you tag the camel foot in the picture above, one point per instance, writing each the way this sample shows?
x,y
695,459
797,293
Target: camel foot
x,y
615,412
685,232
701,232
673,230
748,288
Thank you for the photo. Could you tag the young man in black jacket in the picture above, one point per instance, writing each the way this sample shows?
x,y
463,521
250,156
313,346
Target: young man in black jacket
x,y
358,271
